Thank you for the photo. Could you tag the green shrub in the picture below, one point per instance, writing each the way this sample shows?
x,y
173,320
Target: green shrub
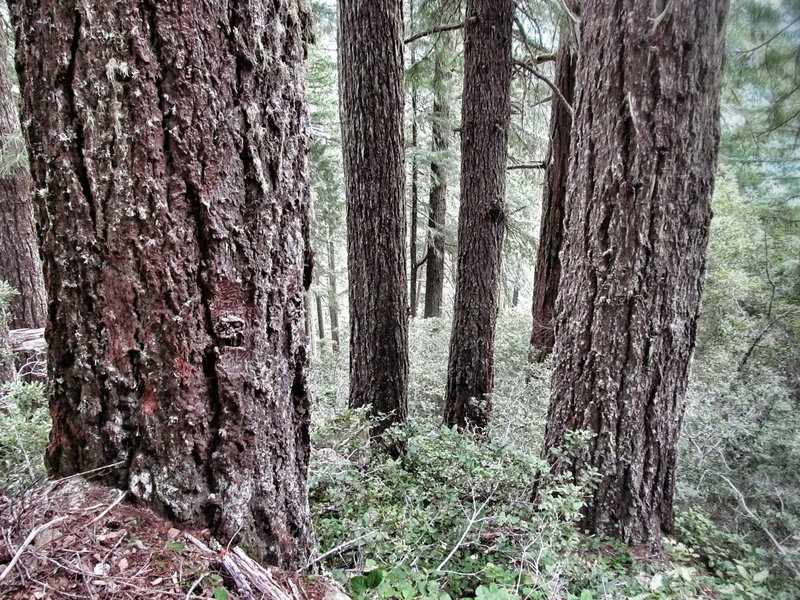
x,y
24,429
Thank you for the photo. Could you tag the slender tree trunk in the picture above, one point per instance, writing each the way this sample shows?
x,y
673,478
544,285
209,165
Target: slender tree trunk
x,y
440,144
320,311
333,295
486,112
371,90
554,198
19,250
414,203
641,176
309,325
171,139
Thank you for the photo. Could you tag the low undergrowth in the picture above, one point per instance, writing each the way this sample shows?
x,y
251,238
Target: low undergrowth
x,y
455,517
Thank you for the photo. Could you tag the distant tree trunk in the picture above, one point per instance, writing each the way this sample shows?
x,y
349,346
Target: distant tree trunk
x,y
486,112
309,325
437,215
333,295
176,245
19,250
371,90
640,180
554,198
320,311
414,203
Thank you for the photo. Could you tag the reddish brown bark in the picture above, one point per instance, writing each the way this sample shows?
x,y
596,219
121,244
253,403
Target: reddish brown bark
x,y
486,112
168,144
641,175
554,199
19,250
371,92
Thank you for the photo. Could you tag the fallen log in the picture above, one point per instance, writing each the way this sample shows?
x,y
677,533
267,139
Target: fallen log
x,y
27,340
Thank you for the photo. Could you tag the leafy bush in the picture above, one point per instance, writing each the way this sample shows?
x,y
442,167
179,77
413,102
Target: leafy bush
x,y
24,429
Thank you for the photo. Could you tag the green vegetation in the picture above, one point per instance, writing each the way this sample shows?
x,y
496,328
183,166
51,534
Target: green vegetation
x,y
454,518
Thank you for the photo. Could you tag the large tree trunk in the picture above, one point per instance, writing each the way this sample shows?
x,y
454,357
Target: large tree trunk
x,y
371,90
554,198
486,111
169,142
19,250
641,176
333,294
437,214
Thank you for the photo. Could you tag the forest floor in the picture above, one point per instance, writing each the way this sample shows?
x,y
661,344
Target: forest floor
x,y
72,538
453,518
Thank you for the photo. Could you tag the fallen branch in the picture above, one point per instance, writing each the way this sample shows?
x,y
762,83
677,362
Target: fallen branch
x,y
472,520
27,340
28,540
338,548
753,516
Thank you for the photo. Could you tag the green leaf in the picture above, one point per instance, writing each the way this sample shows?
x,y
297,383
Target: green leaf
x,y
359,584
656,582
176,546
586,595
760,576
374,578
742,571
220,593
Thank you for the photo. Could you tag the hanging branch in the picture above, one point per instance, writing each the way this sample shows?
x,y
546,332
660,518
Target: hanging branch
x,y
533,71
438,29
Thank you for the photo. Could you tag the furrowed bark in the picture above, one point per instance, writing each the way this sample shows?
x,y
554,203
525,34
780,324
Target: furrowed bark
x,y
168,146
641,176
554,200
486,112
371,92
19,249
437,213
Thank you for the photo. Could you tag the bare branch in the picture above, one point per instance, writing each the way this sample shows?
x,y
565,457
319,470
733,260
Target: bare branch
x,y
750,513
437,29
533,71
536,165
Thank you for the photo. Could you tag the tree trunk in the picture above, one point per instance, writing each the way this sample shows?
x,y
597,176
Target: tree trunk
x,y
170,141
320,311
19,250
371,89
641,176
333,295
414,203
486,111
309,325
554,198
440,144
